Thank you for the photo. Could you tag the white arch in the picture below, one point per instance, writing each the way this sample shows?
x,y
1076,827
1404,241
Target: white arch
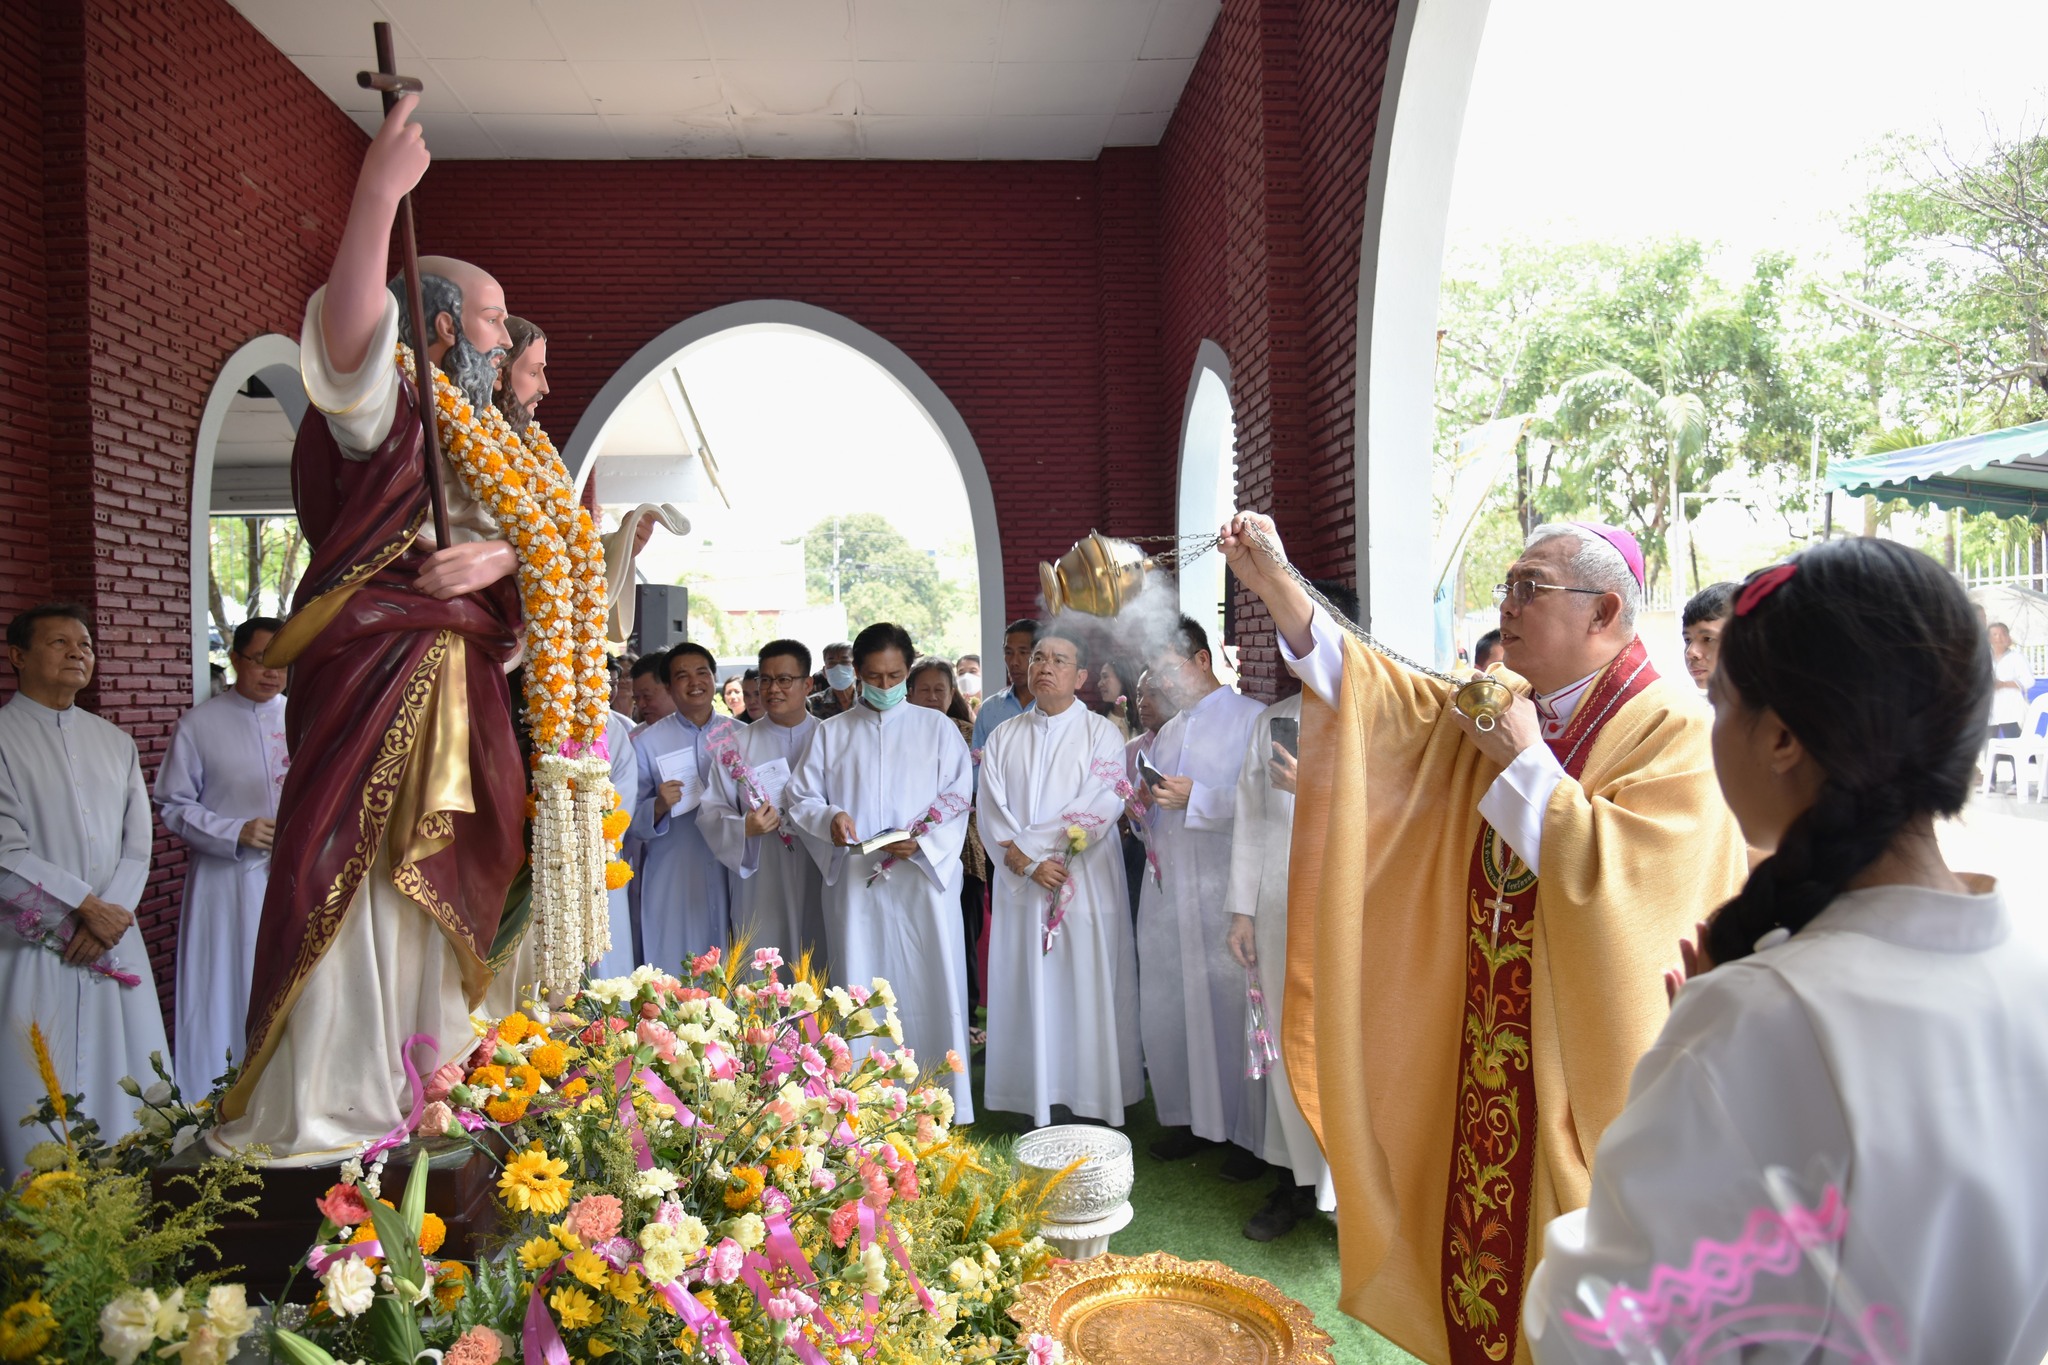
x,y
275,360
1208,440
908,376
1407,201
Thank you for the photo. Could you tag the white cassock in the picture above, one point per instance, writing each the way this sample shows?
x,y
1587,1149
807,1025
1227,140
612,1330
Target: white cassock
x,y
778,892
1191,992
74,822
1063,1025
685,900
226,767
618,737
1898,1047
1258,888
887,769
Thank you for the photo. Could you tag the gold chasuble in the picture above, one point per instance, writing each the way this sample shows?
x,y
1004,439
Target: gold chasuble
x,y
1459,1032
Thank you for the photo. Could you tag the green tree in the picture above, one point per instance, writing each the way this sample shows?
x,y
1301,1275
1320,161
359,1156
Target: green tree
x,y
879,576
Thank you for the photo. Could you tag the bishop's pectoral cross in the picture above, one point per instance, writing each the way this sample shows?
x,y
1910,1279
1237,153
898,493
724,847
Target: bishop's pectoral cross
x,y
1498,903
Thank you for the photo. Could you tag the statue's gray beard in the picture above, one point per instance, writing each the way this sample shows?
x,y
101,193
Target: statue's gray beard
x,y
472,371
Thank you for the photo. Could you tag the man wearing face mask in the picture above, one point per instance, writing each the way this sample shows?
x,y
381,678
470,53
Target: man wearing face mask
x,y
893,911
832,691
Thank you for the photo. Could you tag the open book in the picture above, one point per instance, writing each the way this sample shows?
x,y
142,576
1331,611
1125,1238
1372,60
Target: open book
x,y
876,843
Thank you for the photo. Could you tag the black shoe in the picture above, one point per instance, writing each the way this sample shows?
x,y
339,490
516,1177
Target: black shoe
x,y
1286,1206
1241,1167
1178,1144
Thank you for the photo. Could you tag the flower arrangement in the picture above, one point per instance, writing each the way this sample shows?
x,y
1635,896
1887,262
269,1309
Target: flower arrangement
x,y
521,480
945,808
723,1167
93,1265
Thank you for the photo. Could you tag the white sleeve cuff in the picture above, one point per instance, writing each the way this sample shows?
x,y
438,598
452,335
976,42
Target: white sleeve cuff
x,y
1321,670
1212,808
45,876
359,406
1515,803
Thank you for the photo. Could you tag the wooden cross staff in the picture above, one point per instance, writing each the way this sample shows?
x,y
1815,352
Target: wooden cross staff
x,y
386,80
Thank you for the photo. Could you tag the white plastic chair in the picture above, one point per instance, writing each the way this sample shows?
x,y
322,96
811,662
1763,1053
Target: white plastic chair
x,y
2029,748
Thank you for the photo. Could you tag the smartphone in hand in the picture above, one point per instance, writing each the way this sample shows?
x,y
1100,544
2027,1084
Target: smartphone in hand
x,y
1287,734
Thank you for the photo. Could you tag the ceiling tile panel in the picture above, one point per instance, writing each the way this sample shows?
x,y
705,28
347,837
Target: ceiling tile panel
x,y
508,30
836,138
451,136
921,139
1180,27
671,88
333,28
927,88
1074,30
645,135
494,87
799,88
1154,86
1058,87
573,137
777,30
926,30
336,77
1138,130
626,30
1065,138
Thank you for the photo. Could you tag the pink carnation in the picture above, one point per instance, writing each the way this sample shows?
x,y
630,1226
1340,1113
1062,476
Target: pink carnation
x,y
1042,1350
436,1119
343,1206
478,1346
596,1217
704,962
444,1079
767,959
843,1220
726,1259
774,1200
671,1213
658,1036
927,1130
906,1181
485,1049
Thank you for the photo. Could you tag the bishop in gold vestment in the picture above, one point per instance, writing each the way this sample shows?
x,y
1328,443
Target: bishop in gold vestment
x,y
1478,926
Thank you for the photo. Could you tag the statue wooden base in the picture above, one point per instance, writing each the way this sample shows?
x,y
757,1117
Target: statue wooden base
x,y
461,1182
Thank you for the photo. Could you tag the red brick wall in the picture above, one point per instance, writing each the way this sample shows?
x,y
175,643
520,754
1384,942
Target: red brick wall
x,y
1262,212
176,187
1026,291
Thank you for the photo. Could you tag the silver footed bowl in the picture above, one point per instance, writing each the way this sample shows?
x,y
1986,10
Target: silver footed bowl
x,y
1095,1189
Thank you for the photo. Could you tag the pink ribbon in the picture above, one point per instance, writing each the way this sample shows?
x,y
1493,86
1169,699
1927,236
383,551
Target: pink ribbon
x,y
397,1136
320,1258
658,1088
868,1224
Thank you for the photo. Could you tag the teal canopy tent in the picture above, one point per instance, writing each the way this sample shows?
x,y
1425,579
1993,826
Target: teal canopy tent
x,y
2003,472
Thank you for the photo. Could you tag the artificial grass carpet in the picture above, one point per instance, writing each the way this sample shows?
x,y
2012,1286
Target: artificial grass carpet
x,y
1186,1208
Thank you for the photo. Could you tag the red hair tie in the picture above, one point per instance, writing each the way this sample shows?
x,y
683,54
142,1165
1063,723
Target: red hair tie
x,y
1761,585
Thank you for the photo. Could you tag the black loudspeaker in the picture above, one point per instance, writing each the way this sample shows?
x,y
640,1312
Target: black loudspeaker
x,y
661,617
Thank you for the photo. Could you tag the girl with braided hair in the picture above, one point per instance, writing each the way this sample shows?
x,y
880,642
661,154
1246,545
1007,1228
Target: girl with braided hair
x,y
1859,1016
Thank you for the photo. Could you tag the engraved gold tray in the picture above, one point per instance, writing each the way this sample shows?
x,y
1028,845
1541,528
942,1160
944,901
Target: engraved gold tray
x,y
1141,1310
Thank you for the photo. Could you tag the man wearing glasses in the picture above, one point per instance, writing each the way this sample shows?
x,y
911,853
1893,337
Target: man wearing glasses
x,y
1479,923
778,900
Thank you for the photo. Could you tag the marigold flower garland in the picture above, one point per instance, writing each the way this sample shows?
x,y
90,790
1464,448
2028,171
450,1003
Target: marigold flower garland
x,y
522,482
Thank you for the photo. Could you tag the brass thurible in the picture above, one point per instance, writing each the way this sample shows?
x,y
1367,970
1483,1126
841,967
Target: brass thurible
x,y
1099,576
1485,699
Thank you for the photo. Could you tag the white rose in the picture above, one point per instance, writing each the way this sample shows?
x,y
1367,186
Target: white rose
x,y
128,1325
350,1286
159,1093
227,1309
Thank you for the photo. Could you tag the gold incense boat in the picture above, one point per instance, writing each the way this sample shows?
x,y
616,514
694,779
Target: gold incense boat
x,y
1143,1310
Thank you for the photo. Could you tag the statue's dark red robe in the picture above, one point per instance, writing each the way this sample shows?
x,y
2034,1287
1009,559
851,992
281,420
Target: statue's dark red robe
x,y
400,726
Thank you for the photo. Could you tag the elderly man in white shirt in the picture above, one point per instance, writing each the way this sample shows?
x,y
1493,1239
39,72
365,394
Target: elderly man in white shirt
x,y
74,858
218,790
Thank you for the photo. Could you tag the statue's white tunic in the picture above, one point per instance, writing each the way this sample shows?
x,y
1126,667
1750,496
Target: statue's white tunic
x,y
225,768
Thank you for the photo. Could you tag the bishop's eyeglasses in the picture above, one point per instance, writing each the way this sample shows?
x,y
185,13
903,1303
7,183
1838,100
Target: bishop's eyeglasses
x,y
1523,591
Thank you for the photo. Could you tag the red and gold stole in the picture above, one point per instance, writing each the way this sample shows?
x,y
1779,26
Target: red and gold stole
x,y
1493,1147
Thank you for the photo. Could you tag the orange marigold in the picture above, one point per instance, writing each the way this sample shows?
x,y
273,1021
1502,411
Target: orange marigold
x,y
744,1187
506,1108
487,1076
433,1232
617,873
451,1282
514,1027
550,1059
